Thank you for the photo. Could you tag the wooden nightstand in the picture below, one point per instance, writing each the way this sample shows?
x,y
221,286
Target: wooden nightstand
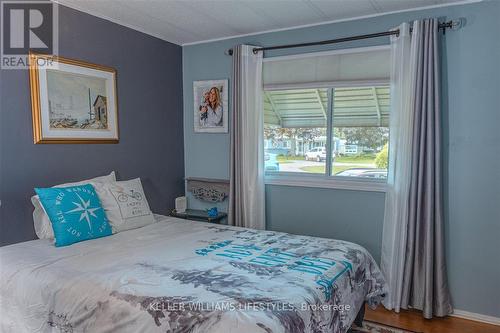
x,y
199,215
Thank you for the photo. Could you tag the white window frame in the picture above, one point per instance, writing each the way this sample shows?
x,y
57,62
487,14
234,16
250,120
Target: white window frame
x,y
326,180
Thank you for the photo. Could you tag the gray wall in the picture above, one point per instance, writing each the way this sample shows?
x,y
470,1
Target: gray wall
x,y
471,99
150,119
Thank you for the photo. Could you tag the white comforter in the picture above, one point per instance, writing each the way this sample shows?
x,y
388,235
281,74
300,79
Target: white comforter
x,y
183,276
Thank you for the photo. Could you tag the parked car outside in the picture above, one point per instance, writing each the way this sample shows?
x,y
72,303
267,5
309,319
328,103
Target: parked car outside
x,y
364,172
317,154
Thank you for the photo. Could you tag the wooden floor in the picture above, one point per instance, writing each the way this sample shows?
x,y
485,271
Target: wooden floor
x,y
413,320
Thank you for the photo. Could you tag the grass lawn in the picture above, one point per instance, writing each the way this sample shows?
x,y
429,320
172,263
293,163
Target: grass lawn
x,y
321,168
361,159
288,159
357,161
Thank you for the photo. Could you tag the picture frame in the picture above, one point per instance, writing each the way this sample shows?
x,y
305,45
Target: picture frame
x,y
72,101
210,99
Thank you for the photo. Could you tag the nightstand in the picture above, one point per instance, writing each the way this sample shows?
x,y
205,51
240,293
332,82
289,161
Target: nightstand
x,y
199,215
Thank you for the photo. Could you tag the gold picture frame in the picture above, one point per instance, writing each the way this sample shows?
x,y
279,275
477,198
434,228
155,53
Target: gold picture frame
x,y
58,102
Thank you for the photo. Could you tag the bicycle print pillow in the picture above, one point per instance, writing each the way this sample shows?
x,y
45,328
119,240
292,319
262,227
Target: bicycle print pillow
x,y
125,204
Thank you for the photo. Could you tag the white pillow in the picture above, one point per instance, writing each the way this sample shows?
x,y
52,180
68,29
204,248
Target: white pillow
x,y
125,204
41,222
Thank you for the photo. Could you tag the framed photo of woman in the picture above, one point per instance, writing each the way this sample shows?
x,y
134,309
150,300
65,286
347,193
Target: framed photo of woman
x,y
210,106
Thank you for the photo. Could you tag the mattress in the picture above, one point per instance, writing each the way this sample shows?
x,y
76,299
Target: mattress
x,y
184,276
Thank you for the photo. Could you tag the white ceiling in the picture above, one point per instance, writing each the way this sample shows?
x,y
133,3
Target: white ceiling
x,y
191,21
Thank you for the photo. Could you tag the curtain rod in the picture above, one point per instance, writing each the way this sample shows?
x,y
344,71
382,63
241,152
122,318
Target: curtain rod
x,y
441,26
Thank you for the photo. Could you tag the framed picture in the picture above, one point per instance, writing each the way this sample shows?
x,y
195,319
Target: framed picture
x,y
72,101
210,106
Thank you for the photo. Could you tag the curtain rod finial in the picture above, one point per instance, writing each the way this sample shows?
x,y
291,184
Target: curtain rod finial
x,y
458,23
228,52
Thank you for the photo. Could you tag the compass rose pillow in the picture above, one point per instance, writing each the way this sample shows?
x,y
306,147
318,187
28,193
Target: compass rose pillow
x,y
41,222
75,213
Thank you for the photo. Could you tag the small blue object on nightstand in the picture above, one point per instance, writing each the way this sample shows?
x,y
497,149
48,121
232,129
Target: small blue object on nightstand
x,y
212,212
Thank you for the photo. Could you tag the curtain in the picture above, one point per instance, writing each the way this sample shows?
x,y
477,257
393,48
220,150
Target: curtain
x,y
398,189
247,196
424,280
413,258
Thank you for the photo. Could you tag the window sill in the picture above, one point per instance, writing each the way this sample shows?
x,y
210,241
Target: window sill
x,y
322,181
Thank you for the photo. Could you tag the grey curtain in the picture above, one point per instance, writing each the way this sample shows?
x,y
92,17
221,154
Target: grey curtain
x,y
425,284
236,186
247,191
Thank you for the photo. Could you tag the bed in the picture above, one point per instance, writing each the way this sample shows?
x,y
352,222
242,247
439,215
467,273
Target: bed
x,y
184,276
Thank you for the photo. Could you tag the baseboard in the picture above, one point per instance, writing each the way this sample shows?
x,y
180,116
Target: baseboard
x,y
476,317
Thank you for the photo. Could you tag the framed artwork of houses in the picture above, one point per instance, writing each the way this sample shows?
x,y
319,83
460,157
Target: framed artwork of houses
x,y
210,106
72,101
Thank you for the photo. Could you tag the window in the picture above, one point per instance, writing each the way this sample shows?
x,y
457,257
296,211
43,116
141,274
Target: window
x,y
326,118
295,130
296,135
360,130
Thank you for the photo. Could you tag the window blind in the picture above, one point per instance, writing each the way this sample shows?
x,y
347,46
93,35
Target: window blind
x,y
325,68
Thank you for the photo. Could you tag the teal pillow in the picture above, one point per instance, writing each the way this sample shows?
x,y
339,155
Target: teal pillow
x,y
75,213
